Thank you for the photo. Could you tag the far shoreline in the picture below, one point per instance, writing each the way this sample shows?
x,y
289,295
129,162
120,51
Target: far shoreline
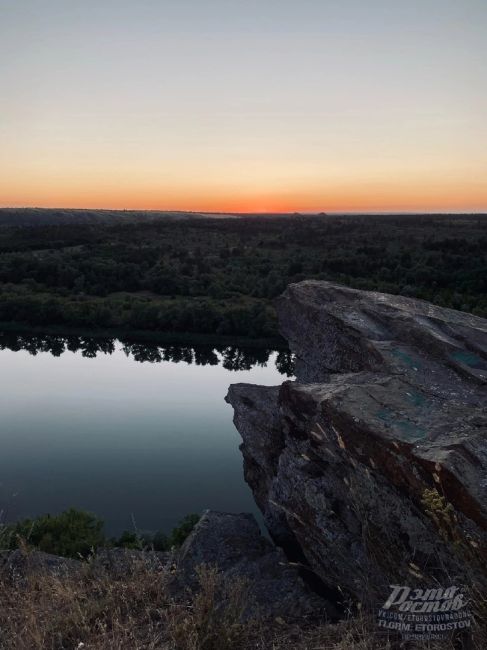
x,y
141,336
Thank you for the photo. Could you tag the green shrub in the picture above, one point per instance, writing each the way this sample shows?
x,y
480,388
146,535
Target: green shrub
x,y
71,533
128,539
181,532
76,533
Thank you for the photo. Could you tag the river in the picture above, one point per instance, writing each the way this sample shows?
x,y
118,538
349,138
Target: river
x,y
139,435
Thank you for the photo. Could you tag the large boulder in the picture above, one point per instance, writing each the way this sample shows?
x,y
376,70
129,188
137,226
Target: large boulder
x,y
373,463
235,547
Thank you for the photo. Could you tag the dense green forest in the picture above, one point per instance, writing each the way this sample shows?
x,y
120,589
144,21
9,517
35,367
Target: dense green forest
x,y
219,276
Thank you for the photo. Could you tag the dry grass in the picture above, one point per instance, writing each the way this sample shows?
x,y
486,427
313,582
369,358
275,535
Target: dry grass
x,y
94,610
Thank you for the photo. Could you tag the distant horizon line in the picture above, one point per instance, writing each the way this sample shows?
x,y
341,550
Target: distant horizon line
x,y
258,212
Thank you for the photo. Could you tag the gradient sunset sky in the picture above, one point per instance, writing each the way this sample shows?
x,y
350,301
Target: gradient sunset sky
x,y
244,105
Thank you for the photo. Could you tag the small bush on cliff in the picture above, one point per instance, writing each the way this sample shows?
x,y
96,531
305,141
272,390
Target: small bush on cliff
x,y
443,515
76,533
181,532
128,540
70,534
158,541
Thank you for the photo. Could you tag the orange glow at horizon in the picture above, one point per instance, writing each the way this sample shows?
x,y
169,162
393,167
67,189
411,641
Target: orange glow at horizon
x,y
455,197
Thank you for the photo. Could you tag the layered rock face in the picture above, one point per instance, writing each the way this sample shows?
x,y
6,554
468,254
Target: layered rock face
x,y
372,465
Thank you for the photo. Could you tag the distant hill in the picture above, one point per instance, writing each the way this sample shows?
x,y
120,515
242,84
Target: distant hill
x,y
58,216
81,216
61,216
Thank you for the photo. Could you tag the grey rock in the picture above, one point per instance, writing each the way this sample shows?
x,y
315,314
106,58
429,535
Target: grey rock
x,y
19,565
374,462
233,544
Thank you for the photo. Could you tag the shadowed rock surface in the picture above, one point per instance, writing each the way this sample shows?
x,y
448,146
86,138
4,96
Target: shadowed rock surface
x,y
234,545
373,464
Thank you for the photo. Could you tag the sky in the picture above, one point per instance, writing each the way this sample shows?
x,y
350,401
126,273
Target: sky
x,y
244,105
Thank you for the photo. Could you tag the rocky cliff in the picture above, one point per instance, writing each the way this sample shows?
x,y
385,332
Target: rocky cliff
x,y
371,467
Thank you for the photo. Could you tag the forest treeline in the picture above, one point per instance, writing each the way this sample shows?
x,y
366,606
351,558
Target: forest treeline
x,y
220,276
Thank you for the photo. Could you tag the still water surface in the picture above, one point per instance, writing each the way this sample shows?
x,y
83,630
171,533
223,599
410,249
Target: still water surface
x,y
132,433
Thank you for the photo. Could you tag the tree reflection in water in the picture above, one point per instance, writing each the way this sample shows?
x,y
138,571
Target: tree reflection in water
x,y
231,357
